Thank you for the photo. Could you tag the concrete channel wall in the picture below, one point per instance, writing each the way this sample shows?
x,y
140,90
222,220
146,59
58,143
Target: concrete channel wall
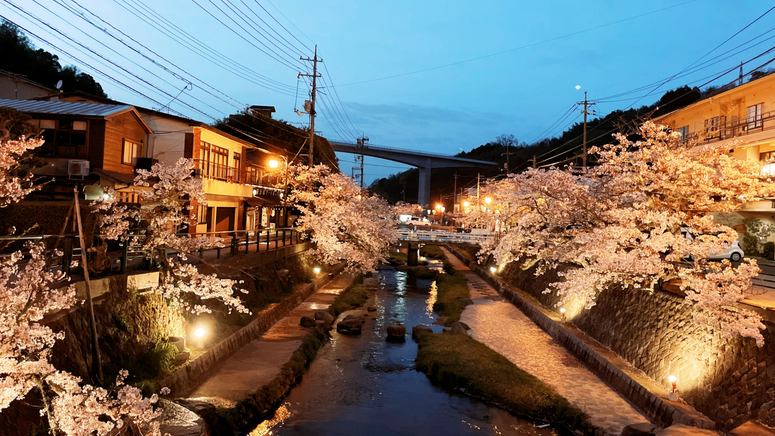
x,y
650,404
186,378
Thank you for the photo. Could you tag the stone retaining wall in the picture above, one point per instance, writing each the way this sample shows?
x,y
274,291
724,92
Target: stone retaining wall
x,y
186,378
648,403
730,380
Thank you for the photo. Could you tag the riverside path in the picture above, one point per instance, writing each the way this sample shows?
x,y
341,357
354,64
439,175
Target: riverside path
x,y
505,329
260,361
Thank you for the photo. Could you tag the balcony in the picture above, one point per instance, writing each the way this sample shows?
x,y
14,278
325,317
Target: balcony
x,y
732,129
210,170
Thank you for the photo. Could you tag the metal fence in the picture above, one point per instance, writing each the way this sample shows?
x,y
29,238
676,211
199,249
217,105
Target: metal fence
x,y
61,250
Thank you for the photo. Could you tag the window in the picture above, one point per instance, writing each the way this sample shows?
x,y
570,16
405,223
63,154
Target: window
x,y
768,159
755,116
215,161
714,126
235,177
132,150
64,138
684,132
201,214
253,176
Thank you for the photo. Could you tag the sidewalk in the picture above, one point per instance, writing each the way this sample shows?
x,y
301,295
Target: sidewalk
x,y
259,362
502,327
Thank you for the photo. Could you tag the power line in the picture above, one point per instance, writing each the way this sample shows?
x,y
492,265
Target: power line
x,y
518,48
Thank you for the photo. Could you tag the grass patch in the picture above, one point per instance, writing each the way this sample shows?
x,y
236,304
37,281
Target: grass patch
x,y
433,251
398,257
468,251
452,289
353,296
460,362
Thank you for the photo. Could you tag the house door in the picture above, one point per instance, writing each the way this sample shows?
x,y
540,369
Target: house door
x,y
224,219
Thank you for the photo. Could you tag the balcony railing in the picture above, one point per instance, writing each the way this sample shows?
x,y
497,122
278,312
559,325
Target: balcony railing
x,y
733,129
210,170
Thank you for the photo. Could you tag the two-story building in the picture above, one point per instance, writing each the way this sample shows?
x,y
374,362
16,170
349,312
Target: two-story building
x,y
742,117
97,143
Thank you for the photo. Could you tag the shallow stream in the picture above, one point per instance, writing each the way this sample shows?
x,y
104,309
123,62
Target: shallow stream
x,y
364,385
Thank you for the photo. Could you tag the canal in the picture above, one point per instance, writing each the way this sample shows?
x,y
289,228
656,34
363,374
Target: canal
x,y
365,385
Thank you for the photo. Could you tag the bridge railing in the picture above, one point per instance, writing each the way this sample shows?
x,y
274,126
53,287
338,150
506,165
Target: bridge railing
x,y
442,236
407,150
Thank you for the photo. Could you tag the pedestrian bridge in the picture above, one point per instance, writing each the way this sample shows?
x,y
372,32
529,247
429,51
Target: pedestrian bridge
x,y
422,160
441,236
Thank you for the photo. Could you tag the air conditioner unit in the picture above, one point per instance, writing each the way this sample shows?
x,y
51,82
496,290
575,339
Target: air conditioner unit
x,y
77,169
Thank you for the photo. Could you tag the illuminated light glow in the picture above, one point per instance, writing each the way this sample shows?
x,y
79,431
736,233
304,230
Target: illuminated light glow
x,y
562,311
488,200
493,269
466,204
274,163
438,206
316,270
106,197
199,333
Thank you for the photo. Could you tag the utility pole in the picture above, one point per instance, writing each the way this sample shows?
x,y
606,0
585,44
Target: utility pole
x,y
534,161
361,144
314,76
507,154
477,190
741,74
586,104
454,194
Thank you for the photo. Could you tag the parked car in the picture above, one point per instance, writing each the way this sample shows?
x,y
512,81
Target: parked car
x,y
733,252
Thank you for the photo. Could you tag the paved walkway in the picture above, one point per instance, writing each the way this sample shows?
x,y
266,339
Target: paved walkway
x,y
505,329
259,362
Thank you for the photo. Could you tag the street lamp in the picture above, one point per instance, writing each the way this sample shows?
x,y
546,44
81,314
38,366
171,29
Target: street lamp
x,y
488,200
274,164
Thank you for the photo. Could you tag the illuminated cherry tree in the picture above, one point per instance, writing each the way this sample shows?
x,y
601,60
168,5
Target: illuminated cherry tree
x,y
14,187
345,223
166,193
621,222
26,297
403,208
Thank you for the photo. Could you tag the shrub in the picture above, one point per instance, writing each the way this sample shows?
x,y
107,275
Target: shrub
x,y
768,252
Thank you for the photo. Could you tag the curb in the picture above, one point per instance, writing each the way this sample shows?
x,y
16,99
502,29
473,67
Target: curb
x,y
647,402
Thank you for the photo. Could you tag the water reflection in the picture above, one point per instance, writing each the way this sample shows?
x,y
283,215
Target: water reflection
x,y
365,385
433,296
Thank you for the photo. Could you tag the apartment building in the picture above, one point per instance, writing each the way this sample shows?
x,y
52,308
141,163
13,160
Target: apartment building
x,y
744,118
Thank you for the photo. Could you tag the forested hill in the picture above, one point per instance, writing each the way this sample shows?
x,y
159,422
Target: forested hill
x,y
18,55
560,150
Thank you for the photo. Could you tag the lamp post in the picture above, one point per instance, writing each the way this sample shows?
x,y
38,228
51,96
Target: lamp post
x,y
274,163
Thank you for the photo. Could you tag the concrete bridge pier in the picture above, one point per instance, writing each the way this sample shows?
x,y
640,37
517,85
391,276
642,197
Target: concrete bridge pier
x,y
424,188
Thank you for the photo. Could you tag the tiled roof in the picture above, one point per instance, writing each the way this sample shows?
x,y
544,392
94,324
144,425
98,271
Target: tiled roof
x,y
64,108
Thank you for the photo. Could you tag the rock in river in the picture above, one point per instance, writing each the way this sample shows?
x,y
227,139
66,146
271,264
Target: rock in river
x,y
307,322
322,315
350,324
420,329
396,333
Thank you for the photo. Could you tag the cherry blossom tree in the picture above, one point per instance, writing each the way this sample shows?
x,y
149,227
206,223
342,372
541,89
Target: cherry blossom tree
x,y
166,193
27,295
403,208
345,223
622,222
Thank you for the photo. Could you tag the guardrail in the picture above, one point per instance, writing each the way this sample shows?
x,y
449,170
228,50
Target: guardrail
x,y
62,249
442,236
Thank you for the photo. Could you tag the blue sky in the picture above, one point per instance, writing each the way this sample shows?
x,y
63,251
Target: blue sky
x,y
433,75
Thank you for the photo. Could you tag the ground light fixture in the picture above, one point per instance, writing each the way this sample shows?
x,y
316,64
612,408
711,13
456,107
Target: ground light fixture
x,y
673,395
200,333
562,311
493,269
316,270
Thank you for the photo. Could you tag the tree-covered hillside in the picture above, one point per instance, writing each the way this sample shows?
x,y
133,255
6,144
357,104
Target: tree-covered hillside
x,y
18,55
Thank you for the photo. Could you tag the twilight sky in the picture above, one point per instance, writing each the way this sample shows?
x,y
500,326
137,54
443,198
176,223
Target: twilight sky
x,y
430,75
